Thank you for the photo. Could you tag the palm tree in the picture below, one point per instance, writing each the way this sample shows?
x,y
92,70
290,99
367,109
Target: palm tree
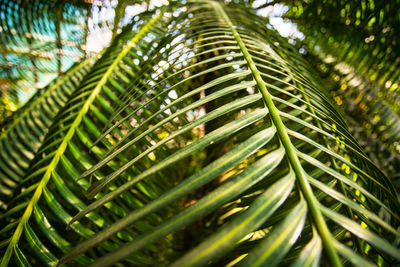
x,y
199,136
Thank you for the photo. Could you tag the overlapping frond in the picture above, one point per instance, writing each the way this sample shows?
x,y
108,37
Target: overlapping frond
x,y
34,185
22,134
375,116
202,137
364,34
371,111
360,39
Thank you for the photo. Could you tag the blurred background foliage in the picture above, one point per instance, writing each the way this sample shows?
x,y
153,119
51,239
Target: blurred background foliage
x,y
356,48
39,40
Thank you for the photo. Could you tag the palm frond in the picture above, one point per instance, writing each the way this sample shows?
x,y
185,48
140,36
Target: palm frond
x,y
373,114
29,125
371,110
216,139
89,89
362,34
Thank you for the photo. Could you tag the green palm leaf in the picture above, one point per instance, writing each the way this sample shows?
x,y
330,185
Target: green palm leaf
x,y
27,128
219,146
358,40
93,86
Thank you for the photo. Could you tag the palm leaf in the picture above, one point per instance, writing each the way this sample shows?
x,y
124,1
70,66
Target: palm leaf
x,y
376,115
92,86
371,110
365,60
27,128
369,41
216,139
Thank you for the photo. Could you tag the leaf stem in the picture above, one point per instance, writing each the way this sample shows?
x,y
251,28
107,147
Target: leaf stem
x,y
305,187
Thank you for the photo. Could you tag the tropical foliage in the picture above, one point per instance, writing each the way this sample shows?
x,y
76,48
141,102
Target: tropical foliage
x,y
361,64
199,136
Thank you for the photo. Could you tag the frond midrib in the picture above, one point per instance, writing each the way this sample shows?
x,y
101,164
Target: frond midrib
x,y
289,147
